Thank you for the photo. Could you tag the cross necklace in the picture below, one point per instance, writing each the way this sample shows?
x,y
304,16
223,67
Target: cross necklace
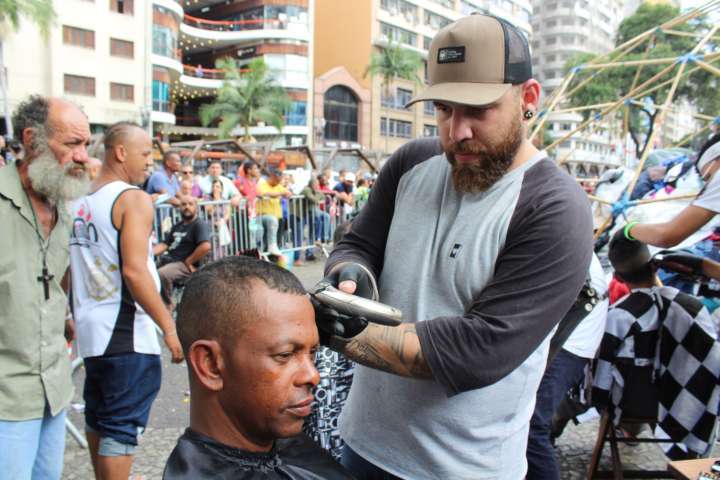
x,y
46,276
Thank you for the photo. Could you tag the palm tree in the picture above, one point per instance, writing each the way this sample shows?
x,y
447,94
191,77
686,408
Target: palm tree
x,y
391,63
40,12
247,96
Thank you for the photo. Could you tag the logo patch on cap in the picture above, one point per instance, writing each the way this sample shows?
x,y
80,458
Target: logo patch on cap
x,y
451,55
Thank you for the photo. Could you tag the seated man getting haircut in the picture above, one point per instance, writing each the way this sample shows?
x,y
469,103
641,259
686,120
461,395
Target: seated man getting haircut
x,y
665,338
248,330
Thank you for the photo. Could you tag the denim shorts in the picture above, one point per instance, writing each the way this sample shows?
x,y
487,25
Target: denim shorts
x,y
118,393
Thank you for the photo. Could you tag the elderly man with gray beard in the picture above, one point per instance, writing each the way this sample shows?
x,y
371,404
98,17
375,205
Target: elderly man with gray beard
x,y
35,385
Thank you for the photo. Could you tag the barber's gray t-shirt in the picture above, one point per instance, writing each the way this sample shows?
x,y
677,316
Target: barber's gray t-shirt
x,y
486,276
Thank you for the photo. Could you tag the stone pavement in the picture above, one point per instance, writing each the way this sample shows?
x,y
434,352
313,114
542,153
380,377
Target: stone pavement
x,y
170,416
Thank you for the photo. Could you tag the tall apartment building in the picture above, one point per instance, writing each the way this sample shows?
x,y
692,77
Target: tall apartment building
x,y
564,28
187,39
96,54
351,108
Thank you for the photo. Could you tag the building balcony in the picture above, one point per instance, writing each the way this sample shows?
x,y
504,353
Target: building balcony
x,y
575,29
257,131
162,112
212,78
245,30
170,63
172,6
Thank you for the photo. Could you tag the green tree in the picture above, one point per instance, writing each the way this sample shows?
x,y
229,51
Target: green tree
x,y
393,62
39,12
247,96
700,88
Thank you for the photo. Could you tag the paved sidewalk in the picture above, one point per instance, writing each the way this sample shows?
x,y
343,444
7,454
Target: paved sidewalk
x,y
170,416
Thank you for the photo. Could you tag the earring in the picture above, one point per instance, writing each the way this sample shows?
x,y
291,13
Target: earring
x,y
528,114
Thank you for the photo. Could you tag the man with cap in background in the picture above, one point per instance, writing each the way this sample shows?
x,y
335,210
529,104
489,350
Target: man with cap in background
x,y
484,244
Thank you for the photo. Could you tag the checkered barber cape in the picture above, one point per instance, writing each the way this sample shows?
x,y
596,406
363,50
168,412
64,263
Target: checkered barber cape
x,y
672,332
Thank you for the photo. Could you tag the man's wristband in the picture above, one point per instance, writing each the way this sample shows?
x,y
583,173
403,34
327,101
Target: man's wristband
x,y
170,334
626,230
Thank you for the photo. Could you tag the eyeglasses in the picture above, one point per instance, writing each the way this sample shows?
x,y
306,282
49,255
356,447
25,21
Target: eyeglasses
x,y
187,172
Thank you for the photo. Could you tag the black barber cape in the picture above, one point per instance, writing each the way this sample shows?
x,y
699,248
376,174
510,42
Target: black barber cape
x,y
197,457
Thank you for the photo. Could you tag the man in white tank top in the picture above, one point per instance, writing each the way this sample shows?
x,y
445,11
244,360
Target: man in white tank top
x,y
116,299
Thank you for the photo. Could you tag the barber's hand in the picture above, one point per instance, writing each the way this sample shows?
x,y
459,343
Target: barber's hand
x,y
680,262
173,344
351,278
335,328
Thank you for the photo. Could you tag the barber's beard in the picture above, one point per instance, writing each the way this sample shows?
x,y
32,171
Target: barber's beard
x,y
495,160
55,182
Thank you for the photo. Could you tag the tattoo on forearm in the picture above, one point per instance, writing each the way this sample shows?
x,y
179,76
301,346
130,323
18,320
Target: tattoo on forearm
x,y
391,349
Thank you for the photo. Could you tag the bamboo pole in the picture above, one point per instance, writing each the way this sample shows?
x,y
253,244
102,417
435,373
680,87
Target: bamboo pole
x,y
599,200
562,88
660,120
647,92
584,107
687,140
603,227
699,116
637,92
633,42
632,63
663,112
686,196
613,107
687,34
590,77
629,45
708,67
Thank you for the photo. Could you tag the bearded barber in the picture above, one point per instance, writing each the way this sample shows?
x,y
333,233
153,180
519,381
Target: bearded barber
x,y
35,374
693,217
484,248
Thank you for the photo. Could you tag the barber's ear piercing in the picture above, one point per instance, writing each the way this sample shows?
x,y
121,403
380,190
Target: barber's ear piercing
x,y
528,114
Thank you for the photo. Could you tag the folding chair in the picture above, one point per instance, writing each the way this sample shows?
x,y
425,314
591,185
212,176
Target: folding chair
x,y
639,406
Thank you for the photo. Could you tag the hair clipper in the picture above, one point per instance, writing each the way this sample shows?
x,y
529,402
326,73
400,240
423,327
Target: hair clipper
x,y
347,304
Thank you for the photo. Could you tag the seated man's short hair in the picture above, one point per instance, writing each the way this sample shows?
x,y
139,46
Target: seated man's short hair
x,y
218,301
631,260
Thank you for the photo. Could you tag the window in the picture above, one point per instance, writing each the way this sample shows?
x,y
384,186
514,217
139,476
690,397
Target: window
x,y
341,114
426,43
296,114
428,108
161,96
122,6
122,92
400,35
121,48
164,42
395,128
402,98
429,131
78,36
435,21
400,7
79,85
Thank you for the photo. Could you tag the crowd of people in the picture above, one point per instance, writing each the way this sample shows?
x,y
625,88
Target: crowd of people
x,y
260,210
476,236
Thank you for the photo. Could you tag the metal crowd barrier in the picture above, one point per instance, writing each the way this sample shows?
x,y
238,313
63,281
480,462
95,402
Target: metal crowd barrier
x,y
234,230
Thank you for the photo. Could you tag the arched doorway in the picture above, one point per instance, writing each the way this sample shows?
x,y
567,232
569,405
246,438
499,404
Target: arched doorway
x,y
340,110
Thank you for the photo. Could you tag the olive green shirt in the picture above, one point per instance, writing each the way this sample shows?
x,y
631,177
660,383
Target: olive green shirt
x,y
34,362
